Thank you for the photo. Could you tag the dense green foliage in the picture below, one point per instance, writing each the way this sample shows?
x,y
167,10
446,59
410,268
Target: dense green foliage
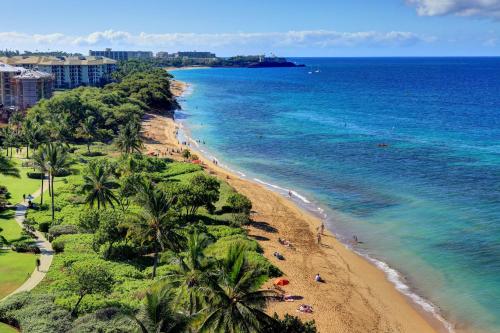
x,y
89,277
35,313
142,244
292,324
90,114
12,53
118,240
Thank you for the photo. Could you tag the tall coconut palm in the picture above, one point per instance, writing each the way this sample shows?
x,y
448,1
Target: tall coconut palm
x,y
98,184
155,221
236,305
39,159
192,277
128,139
158,313
57,161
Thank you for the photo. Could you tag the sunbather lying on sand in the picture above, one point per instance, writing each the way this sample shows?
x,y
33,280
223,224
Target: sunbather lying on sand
x,y
284,242
305,308
278,255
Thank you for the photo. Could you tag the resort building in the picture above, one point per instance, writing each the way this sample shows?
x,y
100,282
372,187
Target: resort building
x,y
31,86
22,88
7,72
122,55
69,72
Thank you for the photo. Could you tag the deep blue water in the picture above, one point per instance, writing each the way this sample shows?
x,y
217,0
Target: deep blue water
x,y
428,204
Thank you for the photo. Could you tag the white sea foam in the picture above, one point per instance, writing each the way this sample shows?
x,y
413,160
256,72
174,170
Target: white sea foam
x,y
398,281
283,190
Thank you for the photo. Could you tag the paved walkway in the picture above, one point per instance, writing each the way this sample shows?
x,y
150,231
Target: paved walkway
x,y
46,252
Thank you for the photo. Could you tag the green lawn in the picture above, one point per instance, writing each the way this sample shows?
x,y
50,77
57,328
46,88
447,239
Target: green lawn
x,y
11,230
15,268
19,186
4,328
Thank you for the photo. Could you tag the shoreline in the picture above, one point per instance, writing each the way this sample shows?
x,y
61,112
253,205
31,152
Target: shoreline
x,y
358,296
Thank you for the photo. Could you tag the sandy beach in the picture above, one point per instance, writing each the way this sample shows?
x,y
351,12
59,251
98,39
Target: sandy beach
x,y
355,297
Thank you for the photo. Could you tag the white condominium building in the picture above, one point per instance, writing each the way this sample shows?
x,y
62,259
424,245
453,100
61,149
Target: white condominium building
x,y
69,72
122,55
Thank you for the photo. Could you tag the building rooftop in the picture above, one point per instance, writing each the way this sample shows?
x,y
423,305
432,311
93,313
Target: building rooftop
x,y
30,74
8,68
61,61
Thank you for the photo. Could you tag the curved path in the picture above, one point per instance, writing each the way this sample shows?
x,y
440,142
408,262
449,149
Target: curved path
x,y
46,252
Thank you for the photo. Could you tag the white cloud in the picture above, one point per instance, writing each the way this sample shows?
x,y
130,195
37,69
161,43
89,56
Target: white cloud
x,y
175,41
481,8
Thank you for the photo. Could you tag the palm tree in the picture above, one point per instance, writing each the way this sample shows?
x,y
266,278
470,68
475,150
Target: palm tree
x,y
33,135
235,304
16,120
9,139
87,131
98,184
128,139
40,162
57,160
155,221
192,277
158,314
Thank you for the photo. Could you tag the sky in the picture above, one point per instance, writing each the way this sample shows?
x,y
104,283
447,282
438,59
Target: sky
x,y
285,28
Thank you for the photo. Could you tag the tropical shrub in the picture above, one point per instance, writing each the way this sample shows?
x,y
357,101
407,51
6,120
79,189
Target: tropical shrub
x,y
25,245
89,277
88,220
35,313
178,168
35,175
58,230
58,245
292,324
44,226
107,320
92,154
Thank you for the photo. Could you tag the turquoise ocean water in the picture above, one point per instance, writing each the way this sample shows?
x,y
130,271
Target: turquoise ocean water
x,y
426,206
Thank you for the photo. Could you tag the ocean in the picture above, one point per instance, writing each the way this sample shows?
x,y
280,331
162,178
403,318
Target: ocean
x,y
404,153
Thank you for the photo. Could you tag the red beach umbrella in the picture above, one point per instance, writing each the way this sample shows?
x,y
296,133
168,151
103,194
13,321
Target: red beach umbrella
x,y
281,282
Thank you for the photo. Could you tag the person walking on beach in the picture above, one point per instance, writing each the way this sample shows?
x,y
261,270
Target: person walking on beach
x,y
318,238
322,228
289,193
38,264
